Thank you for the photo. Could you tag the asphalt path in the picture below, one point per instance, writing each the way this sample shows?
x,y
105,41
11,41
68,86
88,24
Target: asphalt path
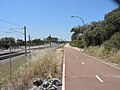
x,y
82,72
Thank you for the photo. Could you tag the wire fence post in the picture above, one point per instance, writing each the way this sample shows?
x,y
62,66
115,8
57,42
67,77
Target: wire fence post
x,y
10,58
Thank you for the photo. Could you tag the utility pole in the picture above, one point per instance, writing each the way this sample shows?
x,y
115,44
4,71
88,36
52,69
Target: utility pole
x,y
29,46
25,40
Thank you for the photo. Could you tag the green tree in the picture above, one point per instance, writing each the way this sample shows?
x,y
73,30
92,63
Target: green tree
x,y
4,42
112,22
98,33
20,42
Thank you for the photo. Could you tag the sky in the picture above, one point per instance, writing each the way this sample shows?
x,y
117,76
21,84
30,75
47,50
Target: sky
x,y
49,17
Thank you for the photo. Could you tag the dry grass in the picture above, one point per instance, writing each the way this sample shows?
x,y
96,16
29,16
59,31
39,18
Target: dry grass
x,y
116,58
99,51
4,68
95,51
43,64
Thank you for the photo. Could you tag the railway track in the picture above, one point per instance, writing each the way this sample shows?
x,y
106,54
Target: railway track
x,y
17,53
13,54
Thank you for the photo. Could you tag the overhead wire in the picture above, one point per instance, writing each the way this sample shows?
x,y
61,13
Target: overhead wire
x,y
10,23
13,24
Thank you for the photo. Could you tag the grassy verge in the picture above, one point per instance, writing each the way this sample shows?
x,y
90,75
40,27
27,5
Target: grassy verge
x,y
112,56
43,64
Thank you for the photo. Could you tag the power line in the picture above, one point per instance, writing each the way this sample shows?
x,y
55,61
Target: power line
x,y
12,29
35,32
11,23
8,22
1,27
2,31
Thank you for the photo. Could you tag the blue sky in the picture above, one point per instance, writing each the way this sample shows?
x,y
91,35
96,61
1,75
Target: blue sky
x,y
50,17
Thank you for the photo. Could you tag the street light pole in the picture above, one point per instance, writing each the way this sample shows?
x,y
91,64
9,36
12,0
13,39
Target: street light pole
x,y
84,30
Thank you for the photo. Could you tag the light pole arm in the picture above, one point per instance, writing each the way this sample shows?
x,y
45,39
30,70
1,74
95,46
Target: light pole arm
x,y
79,18
84,30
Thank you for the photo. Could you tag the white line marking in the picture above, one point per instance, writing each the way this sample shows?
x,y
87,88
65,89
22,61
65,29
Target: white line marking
x,y
115,76
83,63
74,76
108,64
76,57
101,61
98,78
63,77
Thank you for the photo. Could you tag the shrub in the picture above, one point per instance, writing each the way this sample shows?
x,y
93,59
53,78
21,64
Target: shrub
x,y
114,43
77,43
